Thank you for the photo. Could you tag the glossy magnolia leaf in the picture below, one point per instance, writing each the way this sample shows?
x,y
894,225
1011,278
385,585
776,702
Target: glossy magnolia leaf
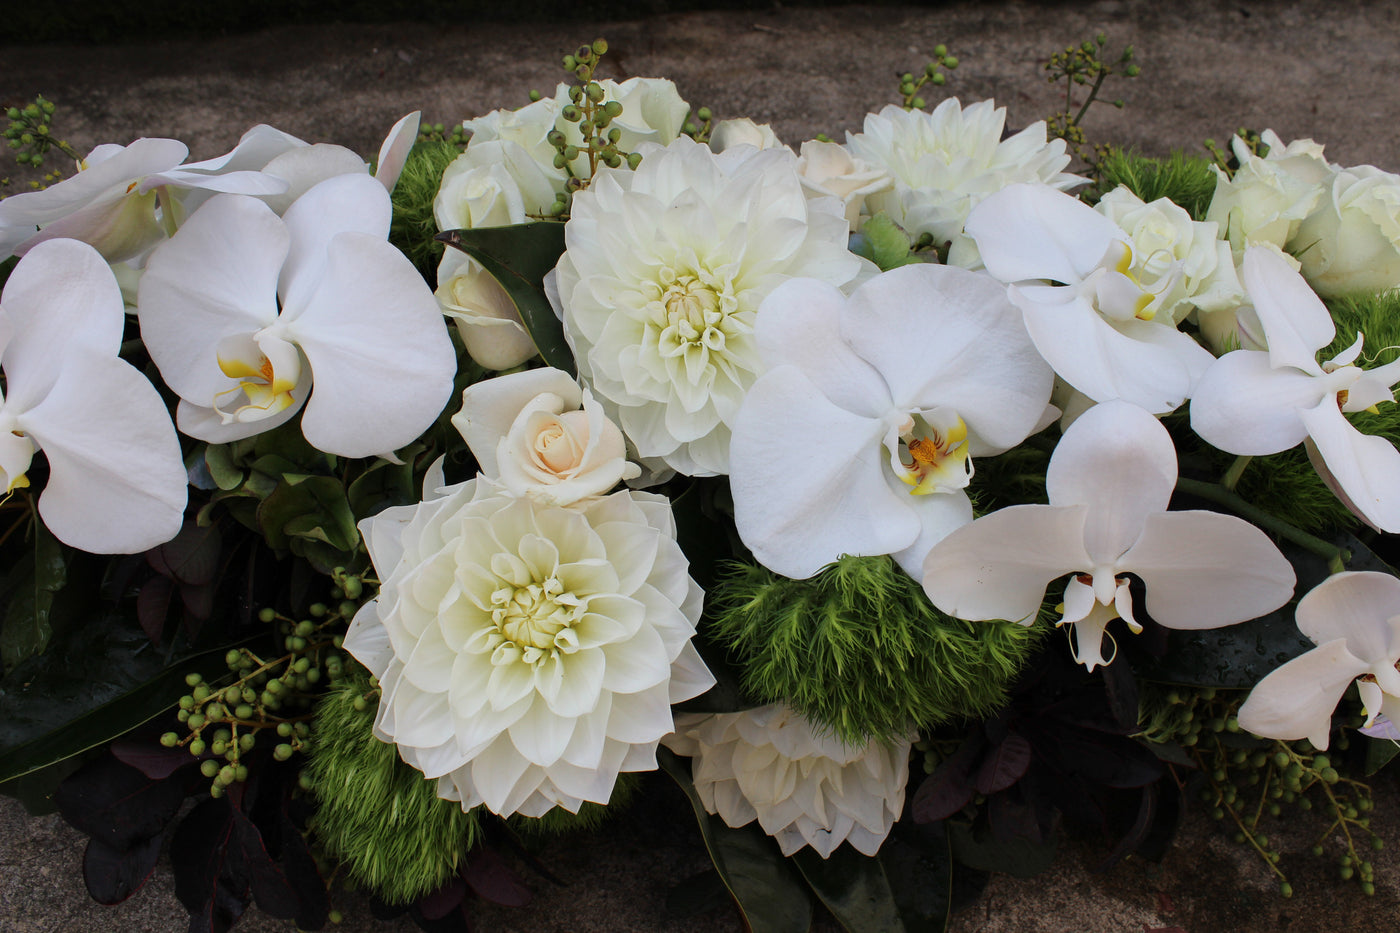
x,y
976,846
518,257
31,586
1378,753
768,892
1239,656
853,887
99,682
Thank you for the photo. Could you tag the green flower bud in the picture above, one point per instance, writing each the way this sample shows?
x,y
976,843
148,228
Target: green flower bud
x,y
193,680
13,113
1132,71
600,47
337,640
559,160
267,614
570,153
196,720
594,91
1285,890
246,741
634,159
360,704
950,62
208,767
216,790
584,54
243,711
313,676
240,773
570,63
214,712
354,586
197,747
613,109
571,113
226,774
918,102
282,752
317,610
218,748
42,129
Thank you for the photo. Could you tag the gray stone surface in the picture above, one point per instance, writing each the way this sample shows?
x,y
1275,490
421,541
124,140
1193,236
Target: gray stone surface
x,y
1309,68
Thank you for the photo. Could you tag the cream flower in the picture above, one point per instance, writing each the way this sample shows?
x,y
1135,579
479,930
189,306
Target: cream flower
x,y
803,785
527,652
538,434
1351,242
947,161
661,281
1269,195
828,170
742,132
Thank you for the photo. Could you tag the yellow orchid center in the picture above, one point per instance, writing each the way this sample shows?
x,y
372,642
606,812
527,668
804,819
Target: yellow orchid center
x,y
264,388
938,458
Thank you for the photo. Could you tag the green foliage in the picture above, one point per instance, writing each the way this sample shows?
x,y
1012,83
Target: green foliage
x,y
414,227
590,816
909,85
860,649
1081,66
1186,180
377,814
886,243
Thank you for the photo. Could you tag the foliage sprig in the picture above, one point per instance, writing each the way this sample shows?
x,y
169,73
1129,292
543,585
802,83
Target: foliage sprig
x,y
910,85
1080,66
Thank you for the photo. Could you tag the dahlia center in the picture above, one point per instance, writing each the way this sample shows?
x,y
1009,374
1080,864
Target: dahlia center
x,y
691,313
536,618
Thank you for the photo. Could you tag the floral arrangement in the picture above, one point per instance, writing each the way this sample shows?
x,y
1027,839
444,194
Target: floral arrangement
x,y
406,513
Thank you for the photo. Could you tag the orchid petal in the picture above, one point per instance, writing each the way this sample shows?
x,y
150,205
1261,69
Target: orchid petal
x,y
800,324
1244,406
1296,322
338,205
305,167
1296,700
998,566
255,148
1089,618
394,151
490,407
1119,462
832,498
1365,467
938,514
117,483
973,356
1027,232
1204,570
1152,365
378,347
120,229
1356,606
215,278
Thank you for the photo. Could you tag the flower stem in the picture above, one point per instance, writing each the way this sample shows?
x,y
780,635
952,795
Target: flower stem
x,y
1222,495
1232,475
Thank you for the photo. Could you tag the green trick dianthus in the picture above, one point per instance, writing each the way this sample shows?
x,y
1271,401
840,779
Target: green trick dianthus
x,y
860,649
1187,181
376,814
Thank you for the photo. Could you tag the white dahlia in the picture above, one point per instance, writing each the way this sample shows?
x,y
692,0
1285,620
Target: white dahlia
x,y
947,161
528,652
662,277
802,784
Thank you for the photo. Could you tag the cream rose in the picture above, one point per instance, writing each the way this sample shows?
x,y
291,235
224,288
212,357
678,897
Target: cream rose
x,y
537,434
1351,242
742,132
829,170
485,316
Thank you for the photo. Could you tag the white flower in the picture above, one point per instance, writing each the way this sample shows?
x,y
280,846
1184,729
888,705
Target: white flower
x,y
116,478
859,437
1351,241
742,132
1096,327
537,434
1183,263
528,652
1255,402
662,278
1109,483
946,162
485,315
111,203
803,785
241,308
828,170
652,112
1354,619
1269,195
527,127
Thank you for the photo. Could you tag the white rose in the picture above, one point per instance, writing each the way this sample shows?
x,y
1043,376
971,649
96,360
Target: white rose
x,y
652,112
1183,262
485,316
493,184
742,132
1351,242
528,127
828,170
529,434
1270,195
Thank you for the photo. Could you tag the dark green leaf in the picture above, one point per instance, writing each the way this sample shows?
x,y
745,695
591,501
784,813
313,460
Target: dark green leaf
x,y
1379,752
314,508
978,847
918,862
853,887
769,893
32,585
218,458
519,257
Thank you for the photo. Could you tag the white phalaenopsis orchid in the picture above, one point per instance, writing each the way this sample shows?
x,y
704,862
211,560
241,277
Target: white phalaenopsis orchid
x,y
241,308
1094,326
1354,619
537,434
111,203
859,437
1109,483
1255,402
116,479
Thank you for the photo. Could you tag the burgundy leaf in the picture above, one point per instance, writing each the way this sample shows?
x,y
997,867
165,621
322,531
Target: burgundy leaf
x,y
300,867
487,874
154,761
198,599
270,888
1004,765
444,900
948,789
117,804
152,606
112,875
191,557
210,877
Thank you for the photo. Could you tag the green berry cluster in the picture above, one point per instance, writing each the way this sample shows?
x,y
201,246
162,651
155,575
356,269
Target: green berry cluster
x,y
30,133
1225,159
700,132
597,138
909,85
438,133
261,696
1084,65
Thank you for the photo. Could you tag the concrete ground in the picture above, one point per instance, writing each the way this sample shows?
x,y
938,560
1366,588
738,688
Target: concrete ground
x,y
1305,68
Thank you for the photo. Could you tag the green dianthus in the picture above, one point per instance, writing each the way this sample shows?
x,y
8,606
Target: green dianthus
x,y
860,649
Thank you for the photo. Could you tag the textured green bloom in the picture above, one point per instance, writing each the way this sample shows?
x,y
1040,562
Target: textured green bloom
x,y
860,649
